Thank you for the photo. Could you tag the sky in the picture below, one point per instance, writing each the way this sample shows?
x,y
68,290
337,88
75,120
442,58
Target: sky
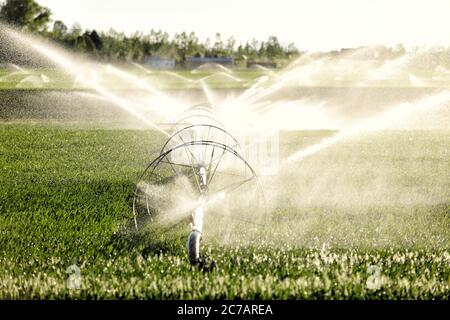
x,y
313,25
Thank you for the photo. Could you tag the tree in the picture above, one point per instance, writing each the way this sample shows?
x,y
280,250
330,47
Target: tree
x,y
400,49
218,46
116,46
25,14
180,41
292,49
193,46
96,40
59,29
76,29
231,44
273,48
207,46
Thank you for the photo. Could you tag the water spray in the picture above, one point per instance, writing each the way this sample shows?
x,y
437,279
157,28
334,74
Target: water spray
x,y
399,112
89,80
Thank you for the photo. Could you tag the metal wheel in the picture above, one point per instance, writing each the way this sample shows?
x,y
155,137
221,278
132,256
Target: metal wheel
x,y
199,178
194,247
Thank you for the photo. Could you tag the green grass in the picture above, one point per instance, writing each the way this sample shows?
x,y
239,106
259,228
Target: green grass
x,y
65,198
181,79
170,79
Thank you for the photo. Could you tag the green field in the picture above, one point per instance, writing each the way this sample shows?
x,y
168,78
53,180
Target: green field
x,y
55,79
66,193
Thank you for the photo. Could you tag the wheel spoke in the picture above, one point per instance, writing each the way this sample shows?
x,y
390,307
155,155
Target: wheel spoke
x,y
234,186
177,174
221,174
177,164
195,175
211,160
193,156
218,162
206,146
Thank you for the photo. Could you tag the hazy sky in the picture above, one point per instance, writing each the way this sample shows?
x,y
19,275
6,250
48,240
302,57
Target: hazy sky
x,y
312,24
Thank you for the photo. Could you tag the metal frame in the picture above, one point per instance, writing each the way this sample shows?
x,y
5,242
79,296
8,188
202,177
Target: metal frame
x,y
154,164
197,126
204,173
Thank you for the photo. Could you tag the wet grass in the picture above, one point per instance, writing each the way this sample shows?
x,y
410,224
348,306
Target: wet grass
x,y
53,79
65,198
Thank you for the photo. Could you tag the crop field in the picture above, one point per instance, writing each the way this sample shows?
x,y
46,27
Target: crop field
x,y
45,78
148,165
66,195
53,78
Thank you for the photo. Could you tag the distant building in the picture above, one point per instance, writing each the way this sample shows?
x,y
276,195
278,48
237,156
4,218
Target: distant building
x,y
155,62
194,62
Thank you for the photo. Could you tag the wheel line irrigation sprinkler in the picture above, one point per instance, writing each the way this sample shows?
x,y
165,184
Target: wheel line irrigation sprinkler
x,y
192,162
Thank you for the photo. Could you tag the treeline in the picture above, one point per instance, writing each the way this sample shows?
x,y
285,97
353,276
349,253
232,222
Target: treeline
x,y
117,47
